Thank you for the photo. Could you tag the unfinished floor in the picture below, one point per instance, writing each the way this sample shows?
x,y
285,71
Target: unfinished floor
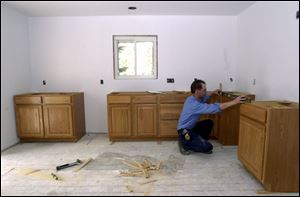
x,y
26,170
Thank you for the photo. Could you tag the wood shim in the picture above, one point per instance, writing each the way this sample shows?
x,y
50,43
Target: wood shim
x,y
39,174
139,168
129,188
147,182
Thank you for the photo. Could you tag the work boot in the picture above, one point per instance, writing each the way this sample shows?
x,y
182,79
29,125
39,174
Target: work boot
x,y
182,149
208,152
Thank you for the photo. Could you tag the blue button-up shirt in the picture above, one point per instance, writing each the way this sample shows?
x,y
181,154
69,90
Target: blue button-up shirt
x,y
193,109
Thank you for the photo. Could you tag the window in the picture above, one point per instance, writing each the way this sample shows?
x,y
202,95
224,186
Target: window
x,y
135,57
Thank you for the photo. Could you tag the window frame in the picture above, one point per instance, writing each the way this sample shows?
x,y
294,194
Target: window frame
x,y
135,38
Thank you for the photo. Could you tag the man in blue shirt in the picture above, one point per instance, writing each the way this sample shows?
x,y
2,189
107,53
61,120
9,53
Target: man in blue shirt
x,y
193,135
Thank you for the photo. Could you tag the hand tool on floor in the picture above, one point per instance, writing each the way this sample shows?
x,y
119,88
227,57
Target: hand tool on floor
x,y
54,176
83,164
77,162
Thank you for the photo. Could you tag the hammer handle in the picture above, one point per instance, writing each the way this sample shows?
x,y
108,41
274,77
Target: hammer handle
x,y
66,166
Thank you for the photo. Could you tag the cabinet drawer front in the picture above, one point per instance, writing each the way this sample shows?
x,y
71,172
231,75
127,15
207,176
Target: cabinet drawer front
x,y
253,112
168,128
173,98
144,99
28,100
57,99
170,111
119,99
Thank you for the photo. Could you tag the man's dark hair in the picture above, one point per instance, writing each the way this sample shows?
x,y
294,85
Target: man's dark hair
x,y
197,84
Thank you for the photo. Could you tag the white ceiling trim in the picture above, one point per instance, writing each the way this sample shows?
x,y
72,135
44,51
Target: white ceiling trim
x,y
107,8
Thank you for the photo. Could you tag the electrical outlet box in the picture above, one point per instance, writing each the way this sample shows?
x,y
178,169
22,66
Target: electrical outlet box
x,y
170,80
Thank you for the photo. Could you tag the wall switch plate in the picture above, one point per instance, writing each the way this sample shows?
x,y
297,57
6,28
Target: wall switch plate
x,y
170,80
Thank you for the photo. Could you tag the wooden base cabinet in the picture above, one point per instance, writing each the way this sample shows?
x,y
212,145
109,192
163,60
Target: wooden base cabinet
x,y
142,115
50,116
228,132
269,143
226,123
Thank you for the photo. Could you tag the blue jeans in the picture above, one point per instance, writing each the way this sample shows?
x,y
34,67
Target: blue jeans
x,y
197,137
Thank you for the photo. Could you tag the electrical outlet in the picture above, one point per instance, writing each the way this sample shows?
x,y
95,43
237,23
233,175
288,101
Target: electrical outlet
x,y
44,82
101,81
170,80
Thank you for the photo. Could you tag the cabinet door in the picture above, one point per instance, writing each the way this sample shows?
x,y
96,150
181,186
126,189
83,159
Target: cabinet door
x,y
58,121
251,145
29,120
144,120
119,117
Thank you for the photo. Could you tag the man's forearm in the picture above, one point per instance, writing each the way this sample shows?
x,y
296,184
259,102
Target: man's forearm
x,y
227,104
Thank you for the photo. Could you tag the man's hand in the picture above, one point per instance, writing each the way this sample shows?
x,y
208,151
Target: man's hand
x,y
240,99
237,100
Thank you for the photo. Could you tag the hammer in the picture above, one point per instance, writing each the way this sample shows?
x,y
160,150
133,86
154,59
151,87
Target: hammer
x,y
77,162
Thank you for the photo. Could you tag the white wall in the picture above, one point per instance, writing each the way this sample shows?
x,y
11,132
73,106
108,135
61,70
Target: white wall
x,y
74,53
268,50
15,70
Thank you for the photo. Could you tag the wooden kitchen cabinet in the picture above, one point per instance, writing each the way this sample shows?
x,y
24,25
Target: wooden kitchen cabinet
x,y
269,143
226,123
50,116
142,115
228,119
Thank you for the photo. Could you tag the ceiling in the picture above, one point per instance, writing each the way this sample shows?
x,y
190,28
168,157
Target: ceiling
x,y
100,8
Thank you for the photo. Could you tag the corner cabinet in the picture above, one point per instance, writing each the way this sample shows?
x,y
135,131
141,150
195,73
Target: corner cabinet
x,y
226,123
50,116
228,119
269,143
